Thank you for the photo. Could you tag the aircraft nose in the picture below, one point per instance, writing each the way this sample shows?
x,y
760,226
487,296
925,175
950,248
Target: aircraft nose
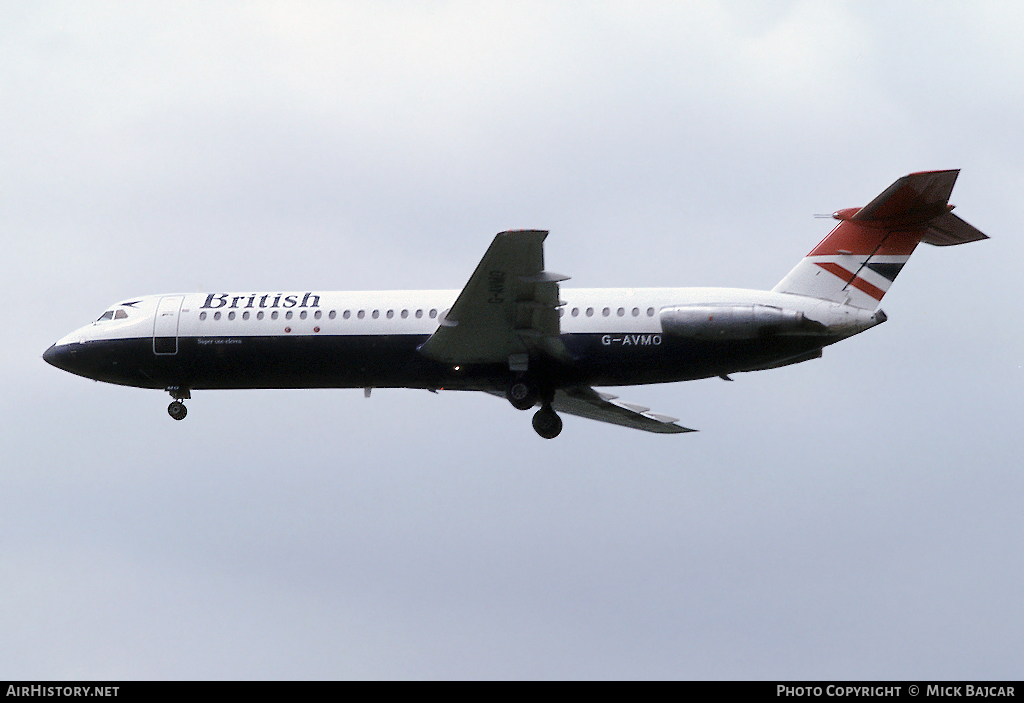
x,y
58,356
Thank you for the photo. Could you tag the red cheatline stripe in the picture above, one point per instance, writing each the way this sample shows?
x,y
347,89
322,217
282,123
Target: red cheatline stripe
x,y
857,282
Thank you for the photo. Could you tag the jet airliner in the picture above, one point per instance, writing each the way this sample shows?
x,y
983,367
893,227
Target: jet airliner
x,y
513,330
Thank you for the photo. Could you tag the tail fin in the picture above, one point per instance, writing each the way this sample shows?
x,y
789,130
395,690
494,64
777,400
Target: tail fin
x,y
858,261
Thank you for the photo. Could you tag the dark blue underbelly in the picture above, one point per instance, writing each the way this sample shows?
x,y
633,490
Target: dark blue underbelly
x,y
392,361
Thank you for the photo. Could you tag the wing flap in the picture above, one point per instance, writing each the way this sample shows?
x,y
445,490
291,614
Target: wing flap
x,y
588,403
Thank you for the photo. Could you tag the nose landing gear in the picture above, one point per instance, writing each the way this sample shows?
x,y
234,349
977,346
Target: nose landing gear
x,y
177,409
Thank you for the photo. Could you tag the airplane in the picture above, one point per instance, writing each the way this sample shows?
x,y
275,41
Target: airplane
x,y
514,332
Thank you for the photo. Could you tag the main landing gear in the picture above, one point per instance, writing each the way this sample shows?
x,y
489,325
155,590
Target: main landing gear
x,y
547,423
524,394
177,409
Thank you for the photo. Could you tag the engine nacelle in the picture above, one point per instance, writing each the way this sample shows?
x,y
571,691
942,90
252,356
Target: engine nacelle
x,y
732,321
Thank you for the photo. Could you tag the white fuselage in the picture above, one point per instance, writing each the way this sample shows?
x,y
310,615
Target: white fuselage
x,y
386,313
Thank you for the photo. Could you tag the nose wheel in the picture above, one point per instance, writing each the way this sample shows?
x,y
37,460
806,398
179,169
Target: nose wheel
x,y
547,423
177,410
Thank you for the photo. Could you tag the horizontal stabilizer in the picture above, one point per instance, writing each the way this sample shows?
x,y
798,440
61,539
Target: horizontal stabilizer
x,y
918,199
948,229
915,198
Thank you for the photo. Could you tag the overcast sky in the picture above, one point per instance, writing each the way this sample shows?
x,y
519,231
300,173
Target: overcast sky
x,y
857,516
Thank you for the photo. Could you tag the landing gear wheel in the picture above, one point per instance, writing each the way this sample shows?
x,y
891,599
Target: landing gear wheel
x,y
522,394
547,423
177,410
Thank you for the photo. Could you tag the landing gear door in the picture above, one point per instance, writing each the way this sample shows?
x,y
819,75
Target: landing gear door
x,y
165,325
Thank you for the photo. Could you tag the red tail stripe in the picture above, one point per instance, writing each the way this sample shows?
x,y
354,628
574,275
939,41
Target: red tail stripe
x,y
857,282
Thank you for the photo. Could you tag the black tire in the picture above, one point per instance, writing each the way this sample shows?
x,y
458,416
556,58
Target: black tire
x,y
177,410
547,423
522,394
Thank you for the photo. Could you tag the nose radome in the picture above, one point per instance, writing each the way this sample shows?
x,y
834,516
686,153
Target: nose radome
x,y
58,356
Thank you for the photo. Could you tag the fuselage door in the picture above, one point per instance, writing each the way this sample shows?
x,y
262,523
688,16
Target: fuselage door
x,y
165,325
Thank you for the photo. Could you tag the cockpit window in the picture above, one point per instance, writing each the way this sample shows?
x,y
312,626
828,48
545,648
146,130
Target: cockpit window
x,y
112,315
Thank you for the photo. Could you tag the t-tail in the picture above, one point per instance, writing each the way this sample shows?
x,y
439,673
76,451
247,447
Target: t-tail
x,y
858,261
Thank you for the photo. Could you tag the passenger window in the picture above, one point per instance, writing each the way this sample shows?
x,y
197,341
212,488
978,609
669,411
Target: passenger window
x,y
333,314
259,315
376,314
650,312
636,312
362,314
245,315
433,313
391,313
231,315
216,316
621,311
302,315
288,315
419,314
590,312
605,312
575,312
405,314
273,315
317,315
202,316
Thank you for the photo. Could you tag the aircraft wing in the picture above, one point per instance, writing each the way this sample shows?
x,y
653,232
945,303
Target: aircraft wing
x,y
584,401
508,308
